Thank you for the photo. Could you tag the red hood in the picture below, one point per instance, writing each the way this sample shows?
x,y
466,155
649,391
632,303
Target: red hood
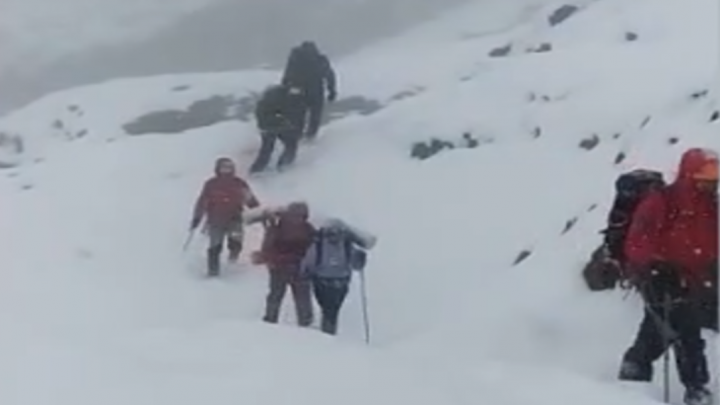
x,y
692,161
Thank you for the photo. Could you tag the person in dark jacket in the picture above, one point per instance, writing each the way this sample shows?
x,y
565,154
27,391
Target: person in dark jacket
x,y
222,201
671,249
311,72
288,234
279,116
337,250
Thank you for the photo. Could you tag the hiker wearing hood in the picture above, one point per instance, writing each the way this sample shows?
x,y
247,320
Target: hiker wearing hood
x,y
310,71
288,234
336,251
221,202
671,250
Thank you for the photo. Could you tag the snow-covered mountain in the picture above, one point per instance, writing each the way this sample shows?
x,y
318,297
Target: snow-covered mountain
x,y
99,304
50,46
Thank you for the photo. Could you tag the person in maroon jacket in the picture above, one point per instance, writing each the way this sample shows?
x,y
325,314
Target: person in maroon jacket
x,y
288,235
672,248
222,201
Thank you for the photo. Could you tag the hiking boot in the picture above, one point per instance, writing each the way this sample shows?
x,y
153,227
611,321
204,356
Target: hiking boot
x,y
269,319
697,396
233,256
634,371
329,327
213,261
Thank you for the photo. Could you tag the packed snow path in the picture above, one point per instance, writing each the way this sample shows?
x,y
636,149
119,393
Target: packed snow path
x,y
100,305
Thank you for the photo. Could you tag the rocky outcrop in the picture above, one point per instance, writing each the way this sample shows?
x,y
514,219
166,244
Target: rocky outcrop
x,y
221,108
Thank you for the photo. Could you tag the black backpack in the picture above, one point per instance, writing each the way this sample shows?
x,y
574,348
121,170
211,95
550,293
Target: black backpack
x,y
630,189
604,270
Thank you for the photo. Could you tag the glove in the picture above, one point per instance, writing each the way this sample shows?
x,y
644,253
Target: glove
x,y
332,96
195,223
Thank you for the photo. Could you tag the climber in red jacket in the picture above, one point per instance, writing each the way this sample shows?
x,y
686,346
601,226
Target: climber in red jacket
x,y
672,250
222,201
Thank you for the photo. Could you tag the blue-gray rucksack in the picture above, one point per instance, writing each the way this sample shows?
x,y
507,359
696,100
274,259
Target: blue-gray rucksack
x,y
356,256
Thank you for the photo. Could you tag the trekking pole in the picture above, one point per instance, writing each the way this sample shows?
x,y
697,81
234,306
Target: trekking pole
x,y
363,296
666,356
669,336
191,233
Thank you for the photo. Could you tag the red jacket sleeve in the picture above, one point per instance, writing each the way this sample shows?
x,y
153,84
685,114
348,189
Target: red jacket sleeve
x,y
643,236
201,202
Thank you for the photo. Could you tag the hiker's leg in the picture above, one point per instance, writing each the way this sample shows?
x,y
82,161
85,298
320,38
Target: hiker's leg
x,y
278,282
301,289
648,346
333,295
290,142
216,235
316,104
689,346
265,153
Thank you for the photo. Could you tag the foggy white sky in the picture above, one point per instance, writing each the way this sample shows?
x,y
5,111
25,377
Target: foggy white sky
x,y
49,45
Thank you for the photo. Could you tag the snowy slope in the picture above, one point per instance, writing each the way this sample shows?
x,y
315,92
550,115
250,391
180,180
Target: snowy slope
x,y
99,303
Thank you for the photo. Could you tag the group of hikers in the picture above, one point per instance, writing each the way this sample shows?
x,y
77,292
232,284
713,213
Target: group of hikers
x,y
293,109
662,240
310,259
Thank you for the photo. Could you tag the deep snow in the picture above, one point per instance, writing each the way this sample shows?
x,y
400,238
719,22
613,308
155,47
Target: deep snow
x,y
100,305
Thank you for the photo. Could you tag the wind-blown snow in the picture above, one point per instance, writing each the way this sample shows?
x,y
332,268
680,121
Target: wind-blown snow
x,y
99,304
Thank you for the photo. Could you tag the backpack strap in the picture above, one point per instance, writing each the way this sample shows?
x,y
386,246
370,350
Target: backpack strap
x,y
319,247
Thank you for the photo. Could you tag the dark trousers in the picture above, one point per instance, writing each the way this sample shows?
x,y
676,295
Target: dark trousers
x,y
233,233
280,279
314,105
290,141
681,330
330,295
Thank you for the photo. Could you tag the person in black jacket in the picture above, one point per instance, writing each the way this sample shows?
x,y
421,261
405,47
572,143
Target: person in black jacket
x,y
310,71
279,116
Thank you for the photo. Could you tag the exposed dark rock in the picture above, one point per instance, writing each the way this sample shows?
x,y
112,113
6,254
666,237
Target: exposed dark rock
x,y
181,88
617,135
407,94
561,15
470,142
500,52
522,256
544,47
699,94
646,121
537,132
569,224
620,157
714,116
590,143
592,208
674,140
428,149
81,133
221,108
12,145
631,36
